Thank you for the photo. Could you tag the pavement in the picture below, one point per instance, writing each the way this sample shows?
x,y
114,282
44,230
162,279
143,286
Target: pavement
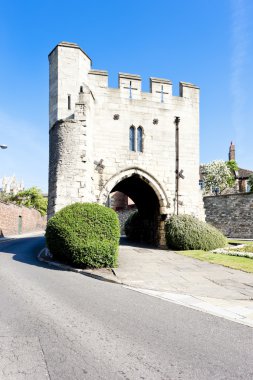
x,y
210,288
206,287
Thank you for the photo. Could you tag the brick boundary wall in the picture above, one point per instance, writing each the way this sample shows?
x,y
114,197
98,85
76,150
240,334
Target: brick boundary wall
x,y
231,213
19,219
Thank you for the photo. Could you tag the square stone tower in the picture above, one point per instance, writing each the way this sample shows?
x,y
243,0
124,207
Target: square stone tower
x,y
144,144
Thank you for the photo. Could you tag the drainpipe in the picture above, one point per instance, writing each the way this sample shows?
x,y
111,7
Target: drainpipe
x,y
177,121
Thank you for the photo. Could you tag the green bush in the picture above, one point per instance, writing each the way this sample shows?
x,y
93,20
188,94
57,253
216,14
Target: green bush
x,y
84,234
185,232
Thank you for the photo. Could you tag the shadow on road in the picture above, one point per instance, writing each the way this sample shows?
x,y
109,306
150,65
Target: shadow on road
x,y
25,250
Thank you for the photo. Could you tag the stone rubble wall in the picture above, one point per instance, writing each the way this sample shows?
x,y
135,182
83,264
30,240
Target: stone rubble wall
x,y
231,213
10,215
123,215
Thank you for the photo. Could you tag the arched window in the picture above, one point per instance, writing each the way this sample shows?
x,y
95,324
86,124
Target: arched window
x,y
132,138
139,139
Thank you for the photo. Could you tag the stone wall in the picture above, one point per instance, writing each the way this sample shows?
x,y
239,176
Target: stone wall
x,y
123,216
231,213
15,219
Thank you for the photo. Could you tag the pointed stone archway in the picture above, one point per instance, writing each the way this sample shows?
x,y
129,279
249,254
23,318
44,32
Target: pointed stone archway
x,y
147,194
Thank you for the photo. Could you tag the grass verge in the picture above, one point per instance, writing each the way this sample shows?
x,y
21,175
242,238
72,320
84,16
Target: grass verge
x,y
236,241
241,263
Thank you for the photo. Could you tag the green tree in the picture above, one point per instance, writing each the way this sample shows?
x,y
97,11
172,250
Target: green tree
x,y
32,197
233,167
5,197
218,175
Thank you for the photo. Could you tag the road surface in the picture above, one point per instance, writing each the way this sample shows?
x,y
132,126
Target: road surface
x,y
62,325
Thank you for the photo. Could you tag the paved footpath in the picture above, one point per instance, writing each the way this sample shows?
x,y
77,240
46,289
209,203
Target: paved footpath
x,y
211,288
208,287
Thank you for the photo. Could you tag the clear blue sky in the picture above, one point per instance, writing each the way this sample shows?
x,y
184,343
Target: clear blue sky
x,y
206,42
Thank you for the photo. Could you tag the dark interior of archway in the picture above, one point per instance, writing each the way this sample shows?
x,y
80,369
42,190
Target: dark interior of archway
x,y
146,202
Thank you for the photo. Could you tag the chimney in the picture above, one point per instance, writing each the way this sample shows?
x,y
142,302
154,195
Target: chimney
x,y
231,154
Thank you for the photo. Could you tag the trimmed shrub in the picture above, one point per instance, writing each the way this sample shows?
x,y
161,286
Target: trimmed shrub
x,y
84,234
185,232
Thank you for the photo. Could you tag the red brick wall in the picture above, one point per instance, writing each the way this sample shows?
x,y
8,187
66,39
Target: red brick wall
x,y
9,219
120,201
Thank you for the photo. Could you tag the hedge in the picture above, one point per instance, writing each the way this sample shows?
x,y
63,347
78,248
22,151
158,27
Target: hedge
x,y
185,232
84,234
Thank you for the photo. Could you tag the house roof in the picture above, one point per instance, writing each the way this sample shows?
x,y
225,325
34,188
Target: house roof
x,y
240,173
244,173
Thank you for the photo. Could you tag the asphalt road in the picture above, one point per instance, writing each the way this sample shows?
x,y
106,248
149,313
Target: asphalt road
x,y
62,325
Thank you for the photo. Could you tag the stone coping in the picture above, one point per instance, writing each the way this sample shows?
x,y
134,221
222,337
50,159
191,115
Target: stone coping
x,y
98,72
71,45
190,85
160,80
229,195
129,76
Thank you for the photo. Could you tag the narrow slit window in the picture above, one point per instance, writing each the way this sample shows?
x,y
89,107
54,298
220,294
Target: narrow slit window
x,y
69,102
139,139
132,138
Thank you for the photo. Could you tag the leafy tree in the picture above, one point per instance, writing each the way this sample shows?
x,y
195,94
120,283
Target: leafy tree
x,y
32,197
250,182
5,197
219,175
232,165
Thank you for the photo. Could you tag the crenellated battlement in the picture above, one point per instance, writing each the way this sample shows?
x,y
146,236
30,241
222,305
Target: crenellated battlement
x,y
131,84
70,69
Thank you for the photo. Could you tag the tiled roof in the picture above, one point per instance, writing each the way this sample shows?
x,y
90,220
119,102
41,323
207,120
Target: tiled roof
x,y
240,173
244,173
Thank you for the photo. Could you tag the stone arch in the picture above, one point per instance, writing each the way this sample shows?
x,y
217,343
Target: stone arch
x,y
164,204
148,196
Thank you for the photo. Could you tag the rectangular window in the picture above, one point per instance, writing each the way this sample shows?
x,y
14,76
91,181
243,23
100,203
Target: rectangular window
x,y
69,102
201,184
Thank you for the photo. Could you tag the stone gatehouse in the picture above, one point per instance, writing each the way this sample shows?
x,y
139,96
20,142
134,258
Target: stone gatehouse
x,y
102,140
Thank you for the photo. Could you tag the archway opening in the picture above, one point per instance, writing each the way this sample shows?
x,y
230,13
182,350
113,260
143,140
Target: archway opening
x,y
143,197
